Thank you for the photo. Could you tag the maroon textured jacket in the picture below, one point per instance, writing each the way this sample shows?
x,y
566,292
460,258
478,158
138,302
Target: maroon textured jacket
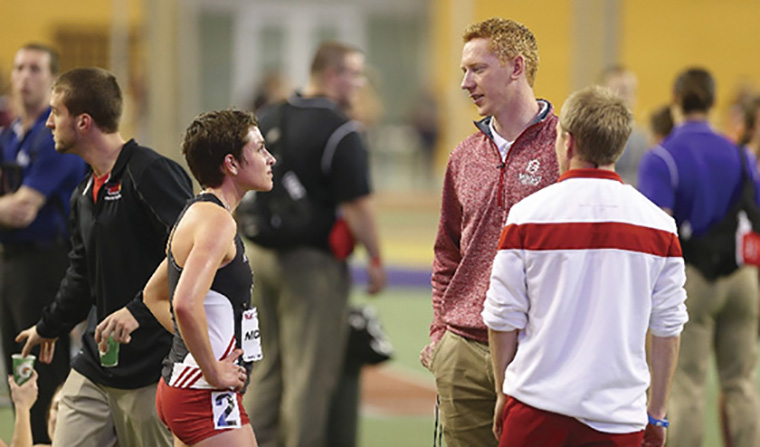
x,y
478,191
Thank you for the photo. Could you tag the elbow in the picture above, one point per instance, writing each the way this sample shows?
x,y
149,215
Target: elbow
x,y
182,310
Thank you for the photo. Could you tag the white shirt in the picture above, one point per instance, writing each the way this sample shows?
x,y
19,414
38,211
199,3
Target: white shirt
x,y
584,268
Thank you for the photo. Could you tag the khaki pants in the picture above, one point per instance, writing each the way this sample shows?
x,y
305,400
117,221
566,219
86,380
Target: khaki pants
x,y
465,382
302,301
91,415
722,318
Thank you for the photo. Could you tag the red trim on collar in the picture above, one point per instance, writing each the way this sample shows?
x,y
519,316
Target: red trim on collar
x,y
590,173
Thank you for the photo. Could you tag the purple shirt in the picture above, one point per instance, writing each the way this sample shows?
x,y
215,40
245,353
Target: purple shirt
x,y
696,173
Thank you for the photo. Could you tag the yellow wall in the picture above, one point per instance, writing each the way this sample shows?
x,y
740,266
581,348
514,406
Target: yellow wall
x,y
37,20
657,39
449,17
661,38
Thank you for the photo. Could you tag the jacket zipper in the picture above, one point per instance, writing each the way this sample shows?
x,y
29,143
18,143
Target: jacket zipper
x,y
502,197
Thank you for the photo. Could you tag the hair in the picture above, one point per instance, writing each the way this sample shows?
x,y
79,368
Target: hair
x,y
661,121
508,39
694,90
609,72
93,91
750,111
600,123
330,54
55,59
210,137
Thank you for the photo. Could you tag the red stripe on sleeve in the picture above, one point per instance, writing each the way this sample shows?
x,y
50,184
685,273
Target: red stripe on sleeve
x,y
590,236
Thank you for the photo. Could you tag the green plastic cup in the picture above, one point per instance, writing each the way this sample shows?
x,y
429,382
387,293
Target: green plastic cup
x,y
110,358
22,368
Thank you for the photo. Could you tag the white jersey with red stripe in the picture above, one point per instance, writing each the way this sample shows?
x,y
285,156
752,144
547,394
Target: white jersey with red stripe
x,y
224,305
221,334
584,268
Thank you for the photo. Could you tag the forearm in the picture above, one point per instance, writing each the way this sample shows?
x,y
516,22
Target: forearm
x,y
156,296
19,209
663,359
503,346
193,328
359,215
22,429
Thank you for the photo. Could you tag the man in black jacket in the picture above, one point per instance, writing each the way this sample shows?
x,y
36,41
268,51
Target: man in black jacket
x,y
121,215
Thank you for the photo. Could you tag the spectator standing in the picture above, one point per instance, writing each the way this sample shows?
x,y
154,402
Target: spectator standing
x,y
302,283
509,157
36,183
120,220
697,176
624,82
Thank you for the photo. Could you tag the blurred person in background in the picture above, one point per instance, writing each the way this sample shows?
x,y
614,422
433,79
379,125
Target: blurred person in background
x,y
660,124
510,156
696,175
7,113
36,183
121,215
624,82
750,137
302,281
424,119
274,87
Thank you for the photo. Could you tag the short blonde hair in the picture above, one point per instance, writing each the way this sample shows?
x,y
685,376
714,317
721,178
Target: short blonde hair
x,y
508,39
599,121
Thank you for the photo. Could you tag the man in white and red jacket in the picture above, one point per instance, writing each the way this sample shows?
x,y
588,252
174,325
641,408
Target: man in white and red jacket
x,y
509,157
585,268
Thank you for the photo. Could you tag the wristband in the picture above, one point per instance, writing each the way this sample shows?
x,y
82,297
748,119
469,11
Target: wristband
x,y
664,423
375,261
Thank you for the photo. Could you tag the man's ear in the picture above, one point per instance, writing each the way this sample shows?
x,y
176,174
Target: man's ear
x,y
518,66
84,122
569,146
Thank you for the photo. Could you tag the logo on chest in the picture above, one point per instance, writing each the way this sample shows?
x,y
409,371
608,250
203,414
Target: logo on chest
x,y
113,192
529,177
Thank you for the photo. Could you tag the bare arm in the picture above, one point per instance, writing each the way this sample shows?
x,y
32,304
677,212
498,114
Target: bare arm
x,y
19,209
206,235
156,296
23,397
503,346
359,215
663,358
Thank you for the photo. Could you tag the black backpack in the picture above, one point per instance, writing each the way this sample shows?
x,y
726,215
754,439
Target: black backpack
x,y
714,253
280,217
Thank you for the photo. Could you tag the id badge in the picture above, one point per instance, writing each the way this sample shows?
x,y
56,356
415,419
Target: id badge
x,y
251,336
226,410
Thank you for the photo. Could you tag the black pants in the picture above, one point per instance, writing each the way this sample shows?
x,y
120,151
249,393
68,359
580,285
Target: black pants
x,y
29,280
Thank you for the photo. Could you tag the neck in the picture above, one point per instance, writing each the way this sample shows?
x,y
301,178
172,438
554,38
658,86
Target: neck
x,y
227,193
512,120
583,164
695,116
312,90
102,152
30,114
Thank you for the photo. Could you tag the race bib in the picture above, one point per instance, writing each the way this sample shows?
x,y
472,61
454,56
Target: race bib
x,y
226,410
251,336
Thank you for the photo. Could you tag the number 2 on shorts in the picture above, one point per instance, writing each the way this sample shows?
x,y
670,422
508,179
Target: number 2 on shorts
x,y
226,410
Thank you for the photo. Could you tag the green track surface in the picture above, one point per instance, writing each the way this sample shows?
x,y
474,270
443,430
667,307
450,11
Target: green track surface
x,y
405,315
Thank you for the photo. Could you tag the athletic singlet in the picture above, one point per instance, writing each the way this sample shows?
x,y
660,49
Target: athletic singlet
x,y
225,302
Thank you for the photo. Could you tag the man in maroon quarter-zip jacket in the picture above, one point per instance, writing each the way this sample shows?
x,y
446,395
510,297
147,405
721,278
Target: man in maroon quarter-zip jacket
x,y
510,156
